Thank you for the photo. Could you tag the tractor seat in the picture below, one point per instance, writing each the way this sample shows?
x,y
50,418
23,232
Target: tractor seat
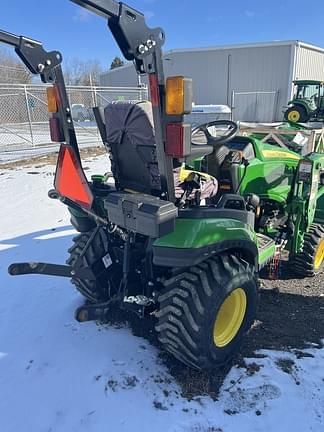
x,y
127,131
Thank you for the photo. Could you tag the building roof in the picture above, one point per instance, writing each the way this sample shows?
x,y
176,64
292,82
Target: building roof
x,y
248,45
233,46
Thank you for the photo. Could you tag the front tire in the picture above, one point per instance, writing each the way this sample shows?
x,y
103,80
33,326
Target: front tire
x,y
206,311
310,261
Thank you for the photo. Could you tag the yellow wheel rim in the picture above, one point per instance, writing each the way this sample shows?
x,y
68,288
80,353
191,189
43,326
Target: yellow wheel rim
x,y
319,256
294,116
230,317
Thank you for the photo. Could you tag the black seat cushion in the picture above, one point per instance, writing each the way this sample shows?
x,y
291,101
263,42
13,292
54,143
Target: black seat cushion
x,y
132,147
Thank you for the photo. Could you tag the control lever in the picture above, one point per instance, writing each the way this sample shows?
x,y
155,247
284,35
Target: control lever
x,y
189,185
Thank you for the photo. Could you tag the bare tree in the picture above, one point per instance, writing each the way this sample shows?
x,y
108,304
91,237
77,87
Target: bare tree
x,y
82,73
117,62
12,71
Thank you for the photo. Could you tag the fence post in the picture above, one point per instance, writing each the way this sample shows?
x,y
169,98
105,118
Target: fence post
x,y
29,116
95,104
94,96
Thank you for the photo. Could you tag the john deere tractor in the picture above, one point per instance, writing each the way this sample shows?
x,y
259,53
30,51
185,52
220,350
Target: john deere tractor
x,y
307,103
154,246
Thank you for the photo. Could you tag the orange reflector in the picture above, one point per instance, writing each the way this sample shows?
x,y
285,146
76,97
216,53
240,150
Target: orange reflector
x,y
70,180
52,105
178,95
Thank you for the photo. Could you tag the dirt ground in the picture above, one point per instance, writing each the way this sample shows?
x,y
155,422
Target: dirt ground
x,y
290,318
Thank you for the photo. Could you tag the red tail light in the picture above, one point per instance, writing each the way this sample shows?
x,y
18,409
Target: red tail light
x,y
154,90
56,132
70,180
178,136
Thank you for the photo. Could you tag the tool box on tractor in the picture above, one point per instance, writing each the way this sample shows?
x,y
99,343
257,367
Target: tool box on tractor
x,y
190,263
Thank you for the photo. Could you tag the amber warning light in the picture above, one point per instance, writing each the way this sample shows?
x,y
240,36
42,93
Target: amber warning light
x,y
178,95
53,103
70,181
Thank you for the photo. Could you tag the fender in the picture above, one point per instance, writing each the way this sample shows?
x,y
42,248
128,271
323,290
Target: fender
x,y
208,237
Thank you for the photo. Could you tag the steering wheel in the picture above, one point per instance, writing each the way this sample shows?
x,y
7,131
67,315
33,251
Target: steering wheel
x,y
222,132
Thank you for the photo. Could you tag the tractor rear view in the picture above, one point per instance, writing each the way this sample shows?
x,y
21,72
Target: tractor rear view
x,y
154,245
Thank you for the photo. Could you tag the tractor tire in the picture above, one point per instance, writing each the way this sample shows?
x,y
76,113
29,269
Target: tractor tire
x,y
93,290
206,310
296,114
310,261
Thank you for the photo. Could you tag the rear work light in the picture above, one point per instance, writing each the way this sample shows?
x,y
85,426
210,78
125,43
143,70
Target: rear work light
x,y
70,181
178,140
178,95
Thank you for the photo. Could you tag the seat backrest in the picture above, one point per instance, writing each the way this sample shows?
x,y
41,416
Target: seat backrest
x,y
130,140
127,130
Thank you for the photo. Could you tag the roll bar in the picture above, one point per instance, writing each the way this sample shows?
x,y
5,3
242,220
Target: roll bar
x,y
143,46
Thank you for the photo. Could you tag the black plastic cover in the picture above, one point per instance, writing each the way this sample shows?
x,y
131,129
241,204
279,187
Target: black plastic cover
x,y
140,213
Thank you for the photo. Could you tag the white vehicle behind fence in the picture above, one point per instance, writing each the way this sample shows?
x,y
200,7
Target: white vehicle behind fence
x,y
80,113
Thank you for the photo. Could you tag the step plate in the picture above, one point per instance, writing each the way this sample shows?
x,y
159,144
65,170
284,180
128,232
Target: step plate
x,y
266,249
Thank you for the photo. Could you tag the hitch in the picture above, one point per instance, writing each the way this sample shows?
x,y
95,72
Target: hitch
x,y
93,311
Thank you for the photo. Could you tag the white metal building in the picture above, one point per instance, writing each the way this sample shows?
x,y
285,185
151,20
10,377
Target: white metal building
x,y
255,79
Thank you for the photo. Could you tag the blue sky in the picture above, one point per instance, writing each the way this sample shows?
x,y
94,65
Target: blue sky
x,y
77,33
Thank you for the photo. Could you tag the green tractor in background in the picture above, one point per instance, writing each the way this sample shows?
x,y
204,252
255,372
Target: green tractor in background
x,y
190,263
307,103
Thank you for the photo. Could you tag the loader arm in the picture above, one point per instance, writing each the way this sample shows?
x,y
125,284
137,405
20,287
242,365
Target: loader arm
x,y
46,64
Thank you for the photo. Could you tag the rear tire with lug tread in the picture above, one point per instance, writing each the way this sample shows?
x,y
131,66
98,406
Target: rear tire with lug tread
x,y
94,291
206,311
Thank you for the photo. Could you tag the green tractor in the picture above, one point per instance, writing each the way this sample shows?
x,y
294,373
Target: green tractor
x,y
153,245
307,103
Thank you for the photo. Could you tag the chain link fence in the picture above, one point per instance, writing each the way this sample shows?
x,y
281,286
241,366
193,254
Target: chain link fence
x,y
24,127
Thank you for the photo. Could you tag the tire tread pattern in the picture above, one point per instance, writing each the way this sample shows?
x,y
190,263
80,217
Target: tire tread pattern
x,y
184,302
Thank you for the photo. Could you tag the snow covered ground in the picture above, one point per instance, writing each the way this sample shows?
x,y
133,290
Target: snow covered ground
x,y
57,375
